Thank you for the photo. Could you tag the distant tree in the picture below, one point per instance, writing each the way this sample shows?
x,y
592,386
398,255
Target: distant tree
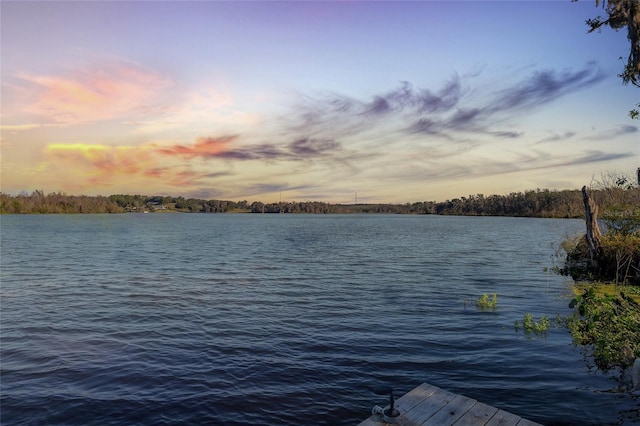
x,y
257,207
621,14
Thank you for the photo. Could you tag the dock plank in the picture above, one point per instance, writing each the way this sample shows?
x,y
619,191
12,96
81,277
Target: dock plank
x,y
479,414
503,418
525,422
450,413
371,421
429,405
405,403
409,400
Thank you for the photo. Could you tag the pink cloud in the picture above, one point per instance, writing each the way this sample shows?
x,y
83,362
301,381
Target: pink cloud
x,y
102,165
156,172
113,91
99,163
185,178
206,147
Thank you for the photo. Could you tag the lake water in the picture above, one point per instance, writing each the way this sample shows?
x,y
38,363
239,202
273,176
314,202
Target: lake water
x,y
283,319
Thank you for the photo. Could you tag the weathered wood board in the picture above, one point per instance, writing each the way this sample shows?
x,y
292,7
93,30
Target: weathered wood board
x,y
428,405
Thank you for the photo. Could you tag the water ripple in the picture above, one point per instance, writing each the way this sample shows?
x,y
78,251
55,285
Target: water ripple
x,y
257,319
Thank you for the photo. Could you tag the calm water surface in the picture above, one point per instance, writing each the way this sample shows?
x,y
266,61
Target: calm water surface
x,y
283,319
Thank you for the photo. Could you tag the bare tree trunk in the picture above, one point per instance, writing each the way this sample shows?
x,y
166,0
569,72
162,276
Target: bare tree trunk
x,y
638,172
591,218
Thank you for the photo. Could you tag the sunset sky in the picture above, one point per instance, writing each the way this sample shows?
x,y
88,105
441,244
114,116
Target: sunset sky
x,y
295,101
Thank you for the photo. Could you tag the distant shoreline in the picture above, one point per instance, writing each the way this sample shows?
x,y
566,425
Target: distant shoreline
x,y
535,203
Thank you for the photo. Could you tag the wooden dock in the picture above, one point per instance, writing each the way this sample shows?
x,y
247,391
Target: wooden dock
x,y
430,405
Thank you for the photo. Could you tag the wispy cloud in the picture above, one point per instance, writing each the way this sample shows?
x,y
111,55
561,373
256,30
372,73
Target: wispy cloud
x,y
183,176
557,137
532,161
540,88
542,160
393,137
595,156
220,147
419,100
26,126
453,109
615,132
100,161
308,147
202,108
335,115
507,134
545,86
104,165
206,147
113,90
172,164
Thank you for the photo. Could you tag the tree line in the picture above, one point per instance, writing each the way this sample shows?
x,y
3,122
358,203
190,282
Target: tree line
x,y
533,203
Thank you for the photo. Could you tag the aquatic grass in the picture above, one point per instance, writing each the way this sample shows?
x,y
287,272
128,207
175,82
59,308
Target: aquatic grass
x,y
486,302
530,325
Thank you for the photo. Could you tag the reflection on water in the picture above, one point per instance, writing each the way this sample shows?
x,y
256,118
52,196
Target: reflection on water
x,y
278,319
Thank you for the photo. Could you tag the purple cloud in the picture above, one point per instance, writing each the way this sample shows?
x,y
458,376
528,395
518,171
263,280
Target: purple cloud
x,y
557,137
545,86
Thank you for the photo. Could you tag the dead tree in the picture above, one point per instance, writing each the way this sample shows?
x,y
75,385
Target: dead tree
x,y
593,231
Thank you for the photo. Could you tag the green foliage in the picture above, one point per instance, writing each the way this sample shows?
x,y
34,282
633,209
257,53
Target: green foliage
x,y
607,326
577,261
486,302
617,258
621,14
530,325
